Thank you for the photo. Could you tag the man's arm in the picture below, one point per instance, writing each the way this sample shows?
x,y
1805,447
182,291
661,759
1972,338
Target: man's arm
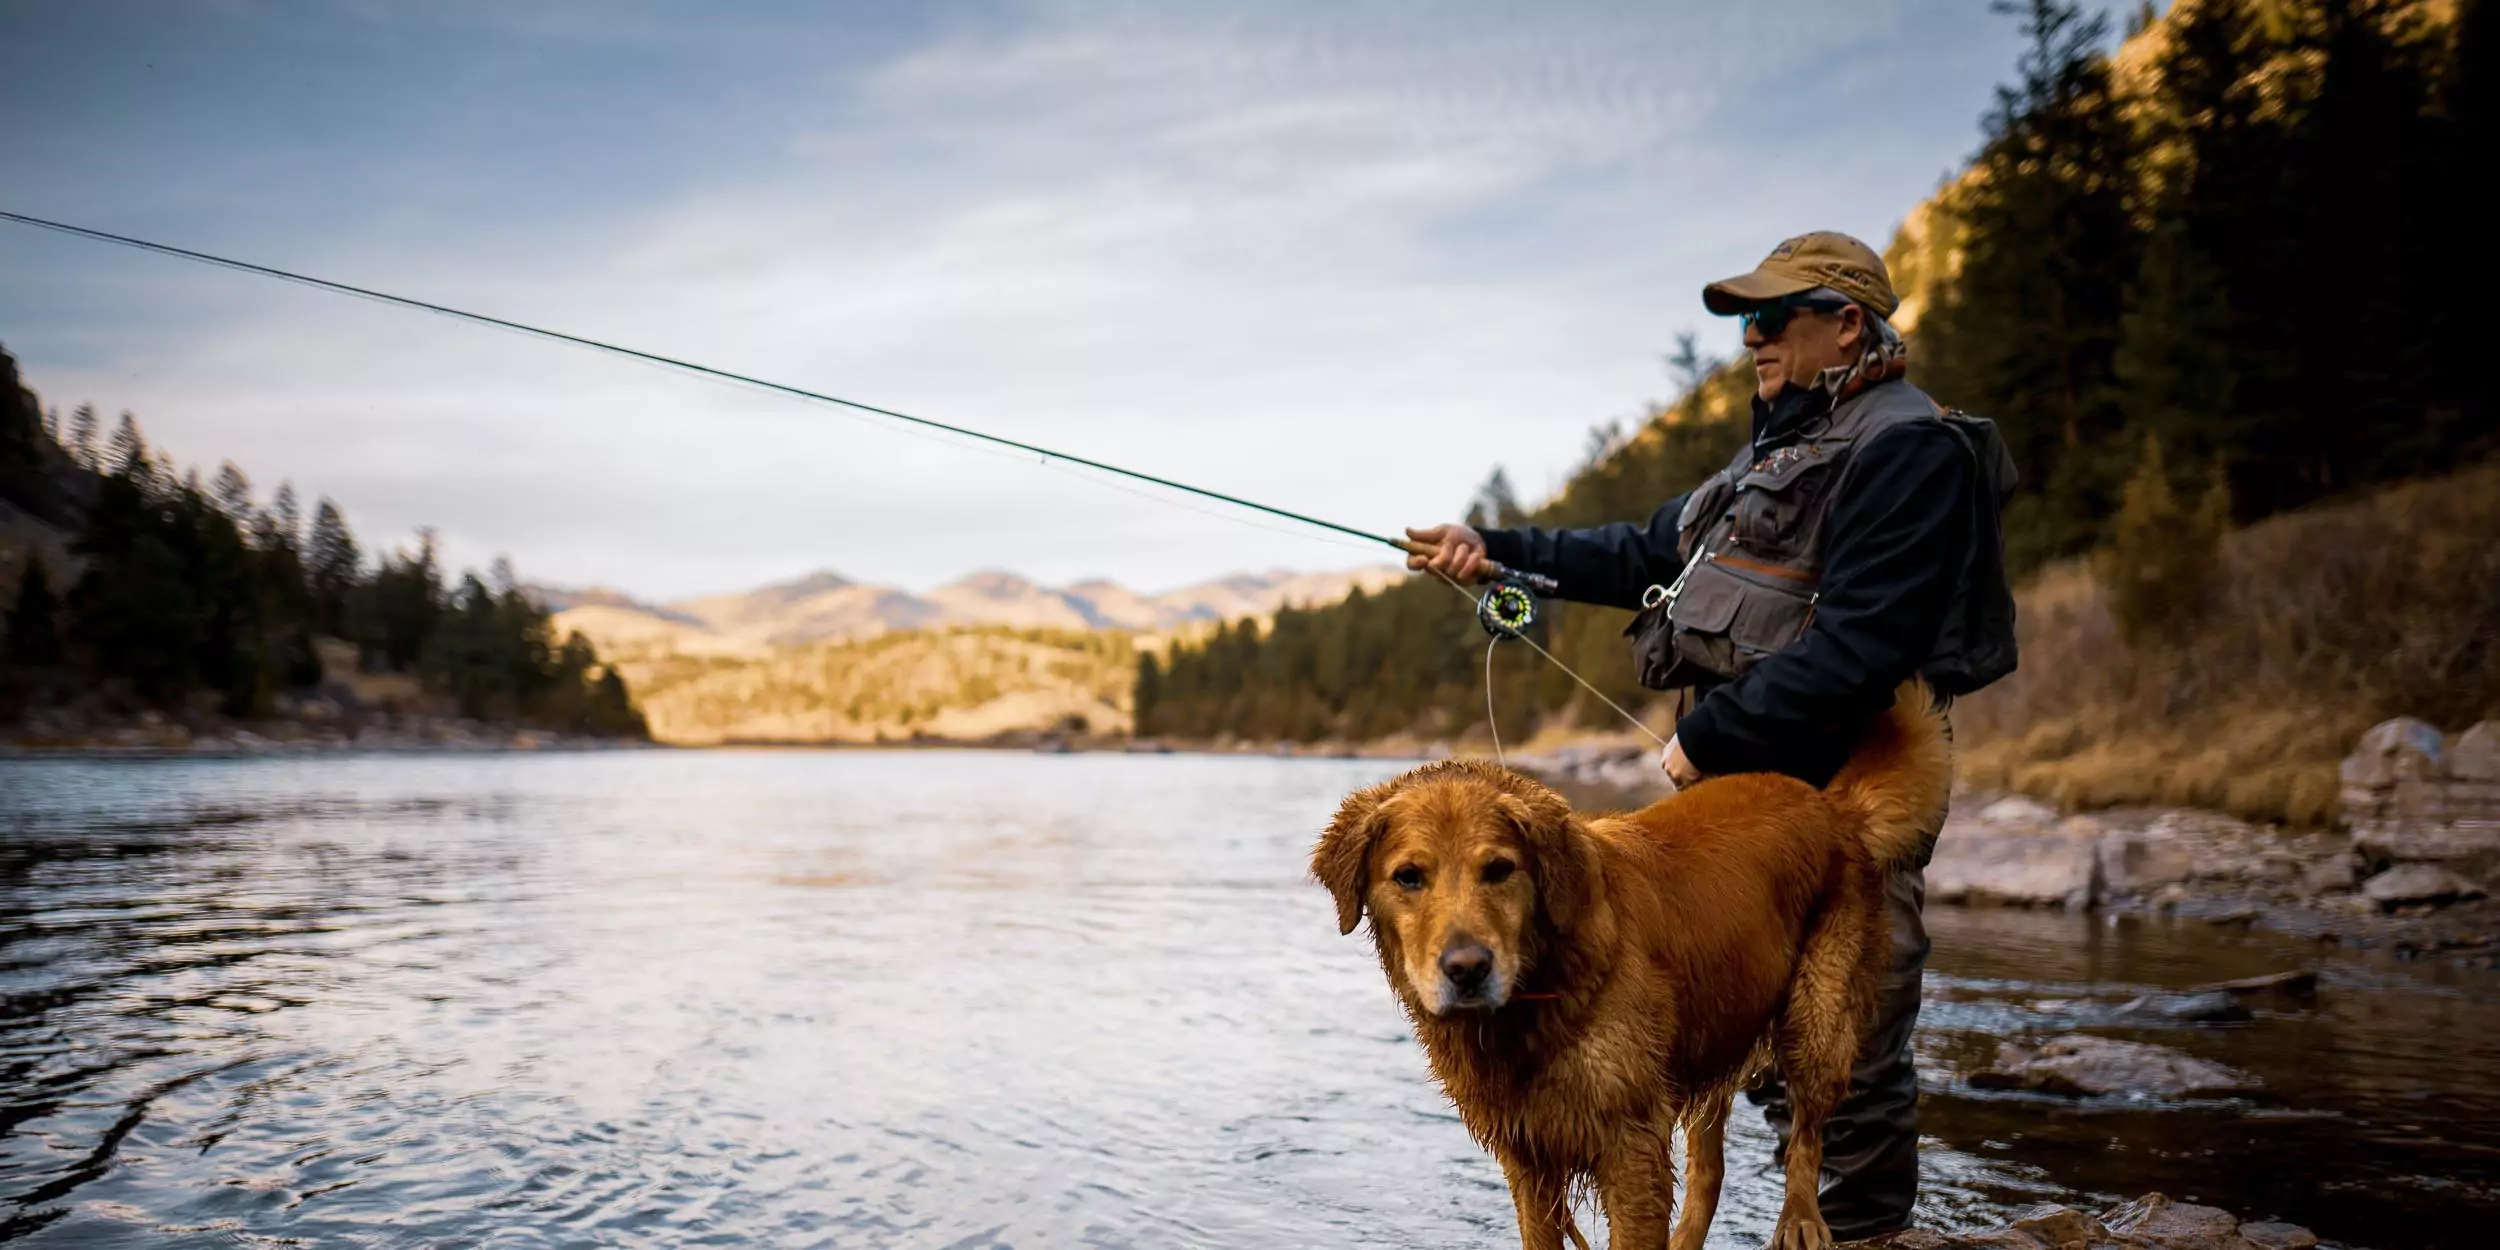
x,y
1604,564
1900,534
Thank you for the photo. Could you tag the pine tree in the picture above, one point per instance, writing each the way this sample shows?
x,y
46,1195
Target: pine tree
x,y
331,568
82,434
128,454
1496,505
285,517
33,638
233,493
2157,569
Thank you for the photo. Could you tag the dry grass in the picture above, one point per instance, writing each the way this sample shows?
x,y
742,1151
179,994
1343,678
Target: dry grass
x,y
2327,621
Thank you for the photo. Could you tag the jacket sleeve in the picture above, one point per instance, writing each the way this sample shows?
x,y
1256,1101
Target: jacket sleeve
x,y
1898,535
1605,564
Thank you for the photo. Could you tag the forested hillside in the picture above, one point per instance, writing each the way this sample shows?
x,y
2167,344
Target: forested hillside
x,y
134,587
2232,248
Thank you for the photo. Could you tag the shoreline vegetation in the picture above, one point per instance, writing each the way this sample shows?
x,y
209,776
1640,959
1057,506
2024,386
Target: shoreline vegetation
x,y
140,605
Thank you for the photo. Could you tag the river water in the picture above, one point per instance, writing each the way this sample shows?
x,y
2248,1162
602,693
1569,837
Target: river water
x,y
953,999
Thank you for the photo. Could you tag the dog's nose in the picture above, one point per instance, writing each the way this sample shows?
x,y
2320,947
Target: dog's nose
x,y
1467,966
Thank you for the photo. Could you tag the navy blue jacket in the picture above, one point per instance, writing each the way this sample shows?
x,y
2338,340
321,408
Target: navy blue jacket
x,y
1899,534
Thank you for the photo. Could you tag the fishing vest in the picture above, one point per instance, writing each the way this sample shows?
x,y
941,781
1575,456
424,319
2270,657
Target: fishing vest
x,y
1752,540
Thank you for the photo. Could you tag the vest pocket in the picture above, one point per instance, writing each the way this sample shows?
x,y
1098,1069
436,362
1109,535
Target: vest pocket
x,y
1724,621
1773,501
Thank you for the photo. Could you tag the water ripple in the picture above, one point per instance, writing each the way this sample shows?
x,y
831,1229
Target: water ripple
x,y
850,999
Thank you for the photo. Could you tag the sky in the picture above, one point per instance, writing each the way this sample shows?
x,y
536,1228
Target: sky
x,y
1340,257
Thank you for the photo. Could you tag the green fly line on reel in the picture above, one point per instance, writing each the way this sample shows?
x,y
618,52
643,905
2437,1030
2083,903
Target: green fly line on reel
x,y
1506,610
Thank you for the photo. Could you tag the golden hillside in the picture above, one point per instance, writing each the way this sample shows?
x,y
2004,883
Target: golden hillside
x,y
969,684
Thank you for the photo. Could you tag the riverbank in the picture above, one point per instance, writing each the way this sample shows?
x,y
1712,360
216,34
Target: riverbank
x,y
2191,864
153,735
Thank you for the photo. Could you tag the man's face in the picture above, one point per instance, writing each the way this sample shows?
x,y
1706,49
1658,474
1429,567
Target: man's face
x,y
1812,341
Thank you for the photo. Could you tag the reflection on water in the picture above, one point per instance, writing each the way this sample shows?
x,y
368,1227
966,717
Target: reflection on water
x,y
922,999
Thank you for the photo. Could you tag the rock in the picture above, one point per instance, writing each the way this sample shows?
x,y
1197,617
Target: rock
x,y
2330,876
2022,867
2193,1007
2138,860
2059,1226
2475,755
2394,750
2417,883
2085,1066
2300,984
2018,811
2154,1220
2271,1235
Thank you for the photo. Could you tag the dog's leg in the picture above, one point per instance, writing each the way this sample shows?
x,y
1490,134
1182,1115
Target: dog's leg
x,y
1828,1005
1636,1184
1705,1130
1544,1202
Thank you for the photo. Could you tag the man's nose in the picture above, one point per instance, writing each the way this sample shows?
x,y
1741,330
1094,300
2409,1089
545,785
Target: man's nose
x,y
1467,966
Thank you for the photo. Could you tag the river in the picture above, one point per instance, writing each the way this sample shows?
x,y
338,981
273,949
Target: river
x,y
955,999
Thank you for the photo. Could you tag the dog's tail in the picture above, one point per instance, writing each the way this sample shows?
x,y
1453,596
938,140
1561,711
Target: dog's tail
x,y
1900,777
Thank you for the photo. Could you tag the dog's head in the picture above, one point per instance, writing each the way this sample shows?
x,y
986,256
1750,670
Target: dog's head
x,y
1463,867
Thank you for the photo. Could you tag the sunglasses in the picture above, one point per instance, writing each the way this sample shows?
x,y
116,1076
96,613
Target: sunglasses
x,y
1772,316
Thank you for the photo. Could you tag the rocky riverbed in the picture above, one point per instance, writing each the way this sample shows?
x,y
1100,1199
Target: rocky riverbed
x,y
2001,850
2152,1222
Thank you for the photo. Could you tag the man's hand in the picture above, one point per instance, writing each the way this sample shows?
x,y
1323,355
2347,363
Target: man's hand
x,y
1680,771
1456,550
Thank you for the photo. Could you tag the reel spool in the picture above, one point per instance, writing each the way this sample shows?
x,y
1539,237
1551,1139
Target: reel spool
x,y
1507,610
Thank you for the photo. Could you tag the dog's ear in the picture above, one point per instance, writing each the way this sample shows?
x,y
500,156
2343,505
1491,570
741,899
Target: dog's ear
x,y
1566,864
1342,860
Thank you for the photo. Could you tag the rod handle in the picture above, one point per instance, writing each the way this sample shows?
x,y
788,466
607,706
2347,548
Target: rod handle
x,y
1488,570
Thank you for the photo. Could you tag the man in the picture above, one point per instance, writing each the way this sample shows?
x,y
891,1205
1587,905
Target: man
x,y
1851,545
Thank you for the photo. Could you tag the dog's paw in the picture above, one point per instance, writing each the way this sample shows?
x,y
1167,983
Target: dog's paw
x,y
1805,1231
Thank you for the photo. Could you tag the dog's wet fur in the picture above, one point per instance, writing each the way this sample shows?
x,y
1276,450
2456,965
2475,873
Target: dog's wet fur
x,y
1584,986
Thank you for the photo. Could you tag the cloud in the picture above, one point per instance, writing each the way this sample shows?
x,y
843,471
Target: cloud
x,y
1344,258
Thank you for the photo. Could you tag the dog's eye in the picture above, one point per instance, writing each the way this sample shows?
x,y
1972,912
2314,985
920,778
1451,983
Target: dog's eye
x,y
1499,871
1409,877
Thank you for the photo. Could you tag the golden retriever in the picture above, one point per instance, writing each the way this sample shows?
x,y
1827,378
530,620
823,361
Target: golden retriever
x,y
1585,986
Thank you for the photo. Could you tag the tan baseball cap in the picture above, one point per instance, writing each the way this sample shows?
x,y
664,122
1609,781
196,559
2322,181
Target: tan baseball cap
x,y
1823,258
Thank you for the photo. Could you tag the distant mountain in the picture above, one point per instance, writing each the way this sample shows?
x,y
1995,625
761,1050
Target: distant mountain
x,y
822,658
825,607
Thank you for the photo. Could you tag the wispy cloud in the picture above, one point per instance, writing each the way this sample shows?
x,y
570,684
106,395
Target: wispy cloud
x,y
1343,257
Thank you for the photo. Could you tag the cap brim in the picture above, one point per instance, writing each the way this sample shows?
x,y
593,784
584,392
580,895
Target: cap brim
x,y
1731,296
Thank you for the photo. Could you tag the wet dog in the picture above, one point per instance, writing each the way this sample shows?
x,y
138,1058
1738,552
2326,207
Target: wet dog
x,y
1585,986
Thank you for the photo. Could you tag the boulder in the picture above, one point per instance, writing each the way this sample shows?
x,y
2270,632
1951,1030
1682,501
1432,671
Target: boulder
x,y
2023,867
2154,1220
2018,811
2393,751
2084,1066
2136,861
2418,883
2475,755
2272,1235
2330,876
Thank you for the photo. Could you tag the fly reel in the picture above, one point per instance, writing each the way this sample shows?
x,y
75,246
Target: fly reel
x,y
1507,609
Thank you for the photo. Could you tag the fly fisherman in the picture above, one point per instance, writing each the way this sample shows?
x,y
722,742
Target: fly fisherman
x,y
1851,545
